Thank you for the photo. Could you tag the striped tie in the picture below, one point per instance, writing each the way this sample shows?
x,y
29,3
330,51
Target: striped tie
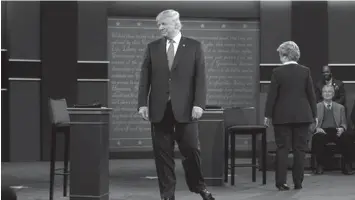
x,y
170,53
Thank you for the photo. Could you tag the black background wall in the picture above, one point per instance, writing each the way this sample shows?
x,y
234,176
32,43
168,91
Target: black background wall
x,y
59,31
23,45
310,32
92,52
275,22
59,49
341,41
5,134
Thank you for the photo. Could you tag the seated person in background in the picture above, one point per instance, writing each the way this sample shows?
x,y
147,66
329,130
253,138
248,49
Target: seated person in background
x,y
8,193
352,117
331,129
339,94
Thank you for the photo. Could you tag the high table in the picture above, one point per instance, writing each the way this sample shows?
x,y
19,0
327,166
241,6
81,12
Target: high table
x,y
89,153
211,135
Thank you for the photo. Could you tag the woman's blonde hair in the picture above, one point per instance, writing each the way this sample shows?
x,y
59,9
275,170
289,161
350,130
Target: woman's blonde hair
x,y
290,50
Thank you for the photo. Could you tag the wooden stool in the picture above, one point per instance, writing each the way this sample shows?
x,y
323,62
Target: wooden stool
x,y
60,124
242,121
252,130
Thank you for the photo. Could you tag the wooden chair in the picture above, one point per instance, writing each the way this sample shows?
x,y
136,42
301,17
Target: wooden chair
x,y
236,123
60,124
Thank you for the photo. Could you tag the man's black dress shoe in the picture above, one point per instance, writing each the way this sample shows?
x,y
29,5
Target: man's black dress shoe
x,y
206,195
283,187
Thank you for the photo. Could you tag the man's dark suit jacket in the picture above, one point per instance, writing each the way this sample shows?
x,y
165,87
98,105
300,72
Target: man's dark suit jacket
x,y
352,116
338,114
186,82
339,95
291,97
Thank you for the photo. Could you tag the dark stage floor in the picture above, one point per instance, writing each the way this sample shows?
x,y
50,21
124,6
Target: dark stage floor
x,y
135,180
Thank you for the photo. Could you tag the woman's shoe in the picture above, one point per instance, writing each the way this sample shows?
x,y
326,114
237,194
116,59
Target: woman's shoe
x,y
283,187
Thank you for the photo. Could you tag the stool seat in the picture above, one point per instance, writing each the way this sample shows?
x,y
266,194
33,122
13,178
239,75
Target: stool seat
x,y
59,125
247,128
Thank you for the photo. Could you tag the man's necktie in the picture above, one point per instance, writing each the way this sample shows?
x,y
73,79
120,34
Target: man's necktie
x,y
328,106
170,53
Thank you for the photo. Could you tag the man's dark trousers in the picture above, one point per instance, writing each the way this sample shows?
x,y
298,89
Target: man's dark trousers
x,y
323,154
164,135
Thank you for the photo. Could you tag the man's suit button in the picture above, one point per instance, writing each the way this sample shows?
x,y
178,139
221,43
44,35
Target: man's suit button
x,y
169,79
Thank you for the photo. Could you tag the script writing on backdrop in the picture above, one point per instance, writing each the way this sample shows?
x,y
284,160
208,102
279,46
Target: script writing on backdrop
x,y
232,61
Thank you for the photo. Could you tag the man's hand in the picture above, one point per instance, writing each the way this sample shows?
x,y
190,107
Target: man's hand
x,y
320,130
267,122
316,120
143,111
340,131
196,112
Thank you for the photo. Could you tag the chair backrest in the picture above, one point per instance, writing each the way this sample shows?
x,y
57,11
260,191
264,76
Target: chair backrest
x,y
239,116
59,114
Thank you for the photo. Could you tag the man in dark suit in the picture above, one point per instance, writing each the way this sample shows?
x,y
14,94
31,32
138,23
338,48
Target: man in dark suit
x,y
328,79
173,76
332,127
291,105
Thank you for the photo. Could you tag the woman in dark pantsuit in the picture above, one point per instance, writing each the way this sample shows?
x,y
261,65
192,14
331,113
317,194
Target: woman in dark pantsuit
x,y
291,108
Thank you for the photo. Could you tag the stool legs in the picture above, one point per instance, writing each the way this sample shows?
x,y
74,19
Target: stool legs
x,y
53,160
226,156
254,166
232,151
66,162
52,164
313,161
264,150
254,157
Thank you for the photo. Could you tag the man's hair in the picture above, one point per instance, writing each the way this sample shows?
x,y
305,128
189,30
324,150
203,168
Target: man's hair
x,y
329,67
290,50
172,14
328,87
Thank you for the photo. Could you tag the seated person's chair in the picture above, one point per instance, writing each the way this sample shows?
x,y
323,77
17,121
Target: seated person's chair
x,y
236,123
331,128
60,124
352,118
